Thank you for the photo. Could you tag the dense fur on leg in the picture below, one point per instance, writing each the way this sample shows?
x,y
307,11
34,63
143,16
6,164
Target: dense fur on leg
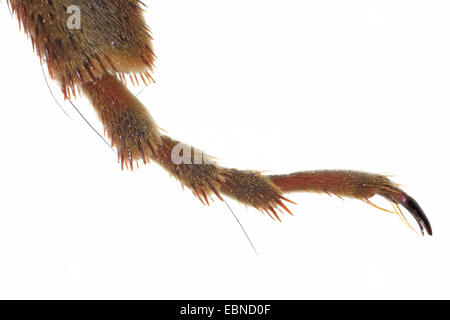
x,y
113,38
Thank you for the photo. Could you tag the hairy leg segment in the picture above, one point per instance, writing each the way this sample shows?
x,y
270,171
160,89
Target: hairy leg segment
x,y
113,42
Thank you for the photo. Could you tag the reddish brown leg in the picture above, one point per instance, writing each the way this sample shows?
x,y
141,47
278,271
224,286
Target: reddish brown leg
x,y
353,184
95,58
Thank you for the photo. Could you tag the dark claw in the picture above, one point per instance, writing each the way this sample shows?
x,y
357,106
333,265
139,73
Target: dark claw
x,y
416,211
413,207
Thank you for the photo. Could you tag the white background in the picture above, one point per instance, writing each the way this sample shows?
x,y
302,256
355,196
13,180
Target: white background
x,y
269,85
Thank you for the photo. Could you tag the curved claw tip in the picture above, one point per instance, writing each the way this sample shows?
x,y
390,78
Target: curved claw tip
x,y
416,211
413,208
